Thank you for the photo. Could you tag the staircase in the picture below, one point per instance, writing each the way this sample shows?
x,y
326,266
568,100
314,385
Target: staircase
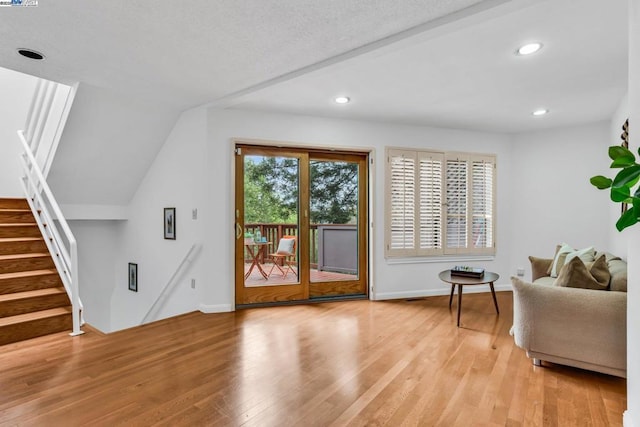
x,y
33,301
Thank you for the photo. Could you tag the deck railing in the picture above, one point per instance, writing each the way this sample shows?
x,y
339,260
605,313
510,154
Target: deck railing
x,y
273,232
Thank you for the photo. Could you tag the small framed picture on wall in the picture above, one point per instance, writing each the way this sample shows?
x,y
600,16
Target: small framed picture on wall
x,y
133,277
170,223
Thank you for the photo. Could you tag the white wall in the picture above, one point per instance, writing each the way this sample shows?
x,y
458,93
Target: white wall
x,y
632,417
98,242
194,169
174,180
391,281
16,92
553,201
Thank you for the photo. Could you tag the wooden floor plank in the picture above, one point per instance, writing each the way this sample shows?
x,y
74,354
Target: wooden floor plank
x,y
345,363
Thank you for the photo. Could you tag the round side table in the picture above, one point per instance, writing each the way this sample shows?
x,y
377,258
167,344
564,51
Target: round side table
x,y
487,278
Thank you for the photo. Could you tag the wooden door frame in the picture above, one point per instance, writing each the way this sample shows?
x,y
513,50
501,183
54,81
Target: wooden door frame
x,y
276,293
368,173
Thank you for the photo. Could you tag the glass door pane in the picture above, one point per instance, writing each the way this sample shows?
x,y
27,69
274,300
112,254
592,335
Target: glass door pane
x,y
271,206
337,249
268,250
333,201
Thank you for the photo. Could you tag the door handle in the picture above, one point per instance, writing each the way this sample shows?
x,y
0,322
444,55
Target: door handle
x,y
238,230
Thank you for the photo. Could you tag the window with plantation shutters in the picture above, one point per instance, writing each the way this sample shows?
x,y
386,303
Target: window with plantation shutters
x,y
439,203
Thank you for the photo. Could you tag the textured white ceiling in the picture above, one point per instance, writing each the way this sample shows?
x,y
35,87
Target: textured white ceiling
x,y
436,62
468,76
190,53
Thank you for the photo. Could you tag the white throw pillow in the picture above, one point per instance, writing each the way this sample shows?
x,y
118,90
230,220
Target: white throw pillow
x,y
567,253
285,246
586,255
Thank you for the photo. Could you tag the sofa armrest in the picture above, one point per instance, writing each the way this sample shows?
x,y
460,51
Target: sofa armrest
x,y
573,323
539,267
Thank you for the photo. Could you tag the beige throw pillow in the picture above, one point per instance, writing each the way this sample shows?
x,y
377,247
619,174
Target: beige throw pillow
x,y
566,253
590,275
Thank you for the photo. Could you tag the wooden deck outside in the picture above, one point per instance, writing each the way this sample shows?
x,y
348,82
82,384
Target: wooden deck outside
x,y
276,278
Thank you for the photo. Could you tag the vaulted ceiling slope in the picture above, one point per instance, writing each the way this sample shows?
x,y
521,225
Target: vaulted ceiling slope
x,y
108,144
189,53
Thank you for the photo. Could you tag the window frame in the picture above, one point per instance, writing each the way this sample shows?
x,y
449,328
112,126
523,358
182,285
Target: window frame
x,y
417,249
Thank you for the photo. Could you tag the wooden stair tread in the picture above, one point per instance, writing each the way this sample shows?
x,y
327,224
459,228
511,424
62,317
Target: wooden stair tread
x,y
19,239
29,273
36,315
12,202
33,301
24,256
31,294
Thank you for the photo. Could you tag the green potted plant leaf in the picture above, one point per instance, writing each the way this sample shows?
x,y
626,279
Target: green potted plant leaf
x,y
622,186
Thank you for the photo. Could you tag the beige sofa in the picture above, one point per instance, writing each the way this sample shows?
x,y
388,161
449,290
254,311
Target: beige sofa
x,y
583,328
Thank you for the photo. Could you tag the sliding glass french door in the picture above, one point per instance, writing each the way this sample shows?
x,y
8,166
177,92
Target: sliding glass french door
x,y
301,224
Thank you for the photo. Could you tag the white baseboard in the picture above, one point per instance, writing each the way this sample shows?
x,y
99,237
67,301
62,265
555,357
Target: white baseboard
x,y
438,292
217,308
626,419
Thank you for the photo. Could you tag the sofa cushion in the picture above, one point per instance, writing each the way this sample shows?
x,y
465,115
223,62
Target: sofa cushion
x,y
566,253
618,270
539,267
577,274
545,280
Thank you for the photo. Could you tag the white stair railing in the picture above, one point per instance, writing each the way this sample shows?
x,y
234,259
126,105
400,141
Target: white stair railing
x,y
42,202
46,118
188,259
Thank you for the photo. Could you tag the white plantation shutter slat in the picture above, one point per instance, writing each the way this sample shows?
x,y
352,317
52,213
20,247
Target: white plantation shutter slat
x,y
403,201
430,207
482,207
456,211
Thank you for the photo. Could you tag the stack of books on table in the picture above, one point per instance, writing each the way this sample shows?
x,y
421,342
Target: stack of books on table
x,y
461,270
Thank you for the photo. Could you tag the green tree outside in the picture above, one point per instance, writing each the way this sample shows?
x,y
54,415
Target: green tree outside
x,y
271,191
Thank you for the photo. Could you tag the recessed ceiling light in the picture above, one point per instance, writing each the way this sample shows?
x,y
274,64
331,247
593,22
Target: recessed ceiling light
x,y
31,54
529,48
342,100
540,112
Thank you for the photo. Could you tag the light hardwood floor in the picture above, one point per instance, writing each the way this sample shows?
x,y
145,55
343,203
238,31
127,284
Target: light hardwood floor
x,y
344,363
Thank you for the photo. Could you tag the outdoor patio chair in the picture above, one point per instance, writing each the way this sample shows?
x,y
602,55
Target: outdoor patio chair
x,y
284,257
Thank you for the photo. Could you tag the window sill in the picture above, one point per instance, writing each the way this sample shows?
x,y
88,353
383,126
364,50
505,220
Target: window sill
x,y
440,259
